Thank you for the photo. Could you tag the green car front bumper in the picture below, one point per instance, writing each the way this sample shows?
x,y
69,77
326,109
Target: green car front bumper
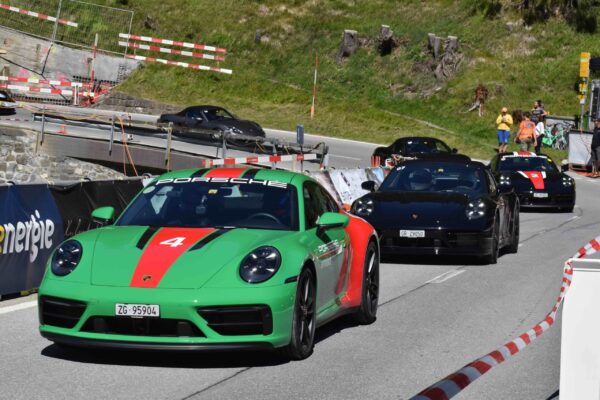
x,y
200,319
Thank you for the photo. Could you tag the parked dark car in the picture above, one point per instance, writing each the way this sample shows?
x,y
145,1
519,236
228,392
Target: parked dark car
x,y
536,180
415,147
449,207
209,118
7,104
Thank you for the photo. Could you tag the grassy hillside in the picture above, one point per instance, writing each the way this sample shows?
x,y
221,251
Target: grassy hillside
x,y
369,97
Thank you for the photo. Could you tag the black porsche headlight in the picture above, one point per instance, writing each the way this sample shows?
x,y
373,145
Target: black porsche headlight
x,y
66,258
364,207
475,209
260,265
567,181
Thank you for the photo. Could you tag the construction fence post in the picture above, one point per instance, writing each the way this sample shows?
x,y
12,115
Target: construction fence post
x,y
274,164
224,145
43,124
55,30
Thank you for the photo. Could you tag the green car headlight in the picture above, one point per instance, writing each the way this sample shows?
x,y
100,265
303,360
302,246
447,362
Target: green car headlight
x,y
260,265
66,258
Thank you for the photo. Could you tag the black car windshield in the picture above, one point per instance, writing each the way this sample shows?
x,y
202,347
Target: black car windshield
x,y
425,146
215,114
517,163
215,202
436,177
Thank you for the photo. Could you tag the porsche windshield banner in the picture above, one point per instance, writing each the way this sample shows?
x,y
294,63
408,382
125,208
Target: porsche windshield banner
x,y
30,228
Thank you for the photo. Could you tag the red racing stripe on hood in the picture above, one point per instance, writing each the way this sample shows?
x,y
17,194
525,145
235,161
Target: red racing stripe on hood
x,y
162,251
536,178
226,173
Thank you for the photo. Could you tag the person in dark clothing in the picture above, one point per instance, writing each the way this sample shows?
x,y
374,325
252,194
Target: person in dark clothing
x,y
595,148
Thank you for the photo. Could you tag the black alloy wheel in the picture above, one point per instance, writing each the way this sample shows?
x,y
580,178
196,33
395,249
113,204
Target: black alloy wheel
x,y
513,247
304,320
367,312
492,258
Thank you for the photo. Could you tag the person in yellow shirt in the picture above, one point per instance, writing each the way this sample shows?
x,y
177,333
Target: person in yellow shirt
x,y
504,123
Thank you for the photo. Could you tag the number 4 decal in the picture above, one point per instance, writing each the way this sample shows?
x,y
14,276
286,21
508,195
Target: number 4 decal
x,y
174,242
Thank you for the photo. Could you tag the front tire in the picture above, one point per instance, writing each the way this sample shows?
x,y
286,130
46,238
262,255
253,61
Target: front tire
x,y
492,258
513,247
304,319
367,313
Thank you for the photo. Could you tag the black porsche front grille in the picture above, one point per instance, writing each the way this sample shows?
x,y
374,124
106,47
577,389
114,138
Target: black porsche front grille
x,y
239,320
60,312
158,327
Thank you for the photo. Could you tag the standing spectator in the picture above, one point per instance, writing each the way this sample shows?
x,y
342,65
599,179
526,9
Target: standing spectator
x,y
504,123
526,134
595,147
540,132
538,111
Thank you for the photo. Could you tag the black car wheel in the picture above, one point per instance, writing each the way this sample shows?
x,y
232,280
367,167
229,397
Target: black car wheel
x,y
304,319
513,247
367,313
492,258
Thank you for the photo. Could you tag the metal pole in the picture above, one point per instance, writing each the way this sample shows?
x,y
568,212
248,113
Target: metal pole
x,y
56,22
112,135
168,149
129,33
274,164
224,146
43,124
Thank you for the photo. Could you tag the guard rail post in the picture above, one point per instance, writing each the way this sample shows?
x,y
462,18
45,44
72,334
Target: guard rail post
x,y
168,147
43,124
112,134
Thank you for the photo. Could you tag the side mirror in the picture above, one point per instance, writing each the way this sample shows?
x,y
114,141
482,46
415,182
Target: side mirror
x,y
368,185
331,220
103,215
454,151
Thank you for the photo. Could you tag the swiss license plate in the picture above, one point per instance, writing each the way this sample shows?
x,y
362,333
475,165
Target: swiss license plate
x,y
412,234
137,310
541,195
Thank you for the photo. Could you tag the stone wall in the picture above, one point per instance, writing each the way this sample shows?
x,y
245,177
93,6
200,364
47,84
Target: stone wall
x,y
20,164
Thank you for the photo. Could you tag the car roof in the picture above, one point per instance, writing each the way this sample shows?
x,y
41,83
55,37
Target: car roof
x,y
250,172
205,107
419,138
442,160
522,154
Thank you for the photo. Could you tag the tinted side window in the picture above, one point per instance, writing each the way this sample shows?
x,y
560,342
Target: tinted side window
x,y
314,204
330,204
492,181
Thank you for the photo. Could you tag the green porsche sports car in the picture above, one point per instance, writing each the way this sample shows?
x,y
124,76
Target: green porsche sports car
x,y
213,259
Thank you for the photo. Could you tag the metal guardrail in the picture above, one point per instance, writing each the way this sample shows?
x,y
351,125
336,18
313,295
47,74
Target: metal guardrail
x,y
134,123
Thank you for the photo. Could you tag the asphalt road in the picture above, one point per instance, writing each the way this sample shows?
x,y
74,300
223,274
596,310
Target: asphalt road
x,y
435,316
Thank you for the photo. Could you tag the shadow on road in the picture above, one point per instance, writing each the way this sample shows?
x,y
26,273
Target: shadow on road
x,y
204,360
433,260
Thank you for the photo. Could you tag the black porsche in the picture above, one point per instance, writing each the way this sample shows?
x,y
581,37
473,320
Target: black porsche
x,y
414,147
446,207
535,179
209,118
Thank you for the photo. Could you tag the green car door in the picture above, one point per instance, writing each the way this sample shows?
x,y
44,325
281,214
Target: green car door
x,y
330,249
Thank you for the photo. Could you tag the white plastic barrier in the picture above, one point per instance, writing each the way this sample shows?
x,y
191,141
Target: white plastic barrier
x,y
579,147
580,343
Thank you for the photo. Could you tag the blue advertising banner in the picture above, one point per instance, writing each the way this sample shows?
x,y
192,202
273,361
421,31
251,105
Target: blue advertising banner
x,y
30,228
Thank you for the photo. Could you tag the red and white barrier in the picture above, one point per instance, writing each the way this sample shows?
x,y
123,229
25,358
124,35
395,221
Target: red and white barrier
x,y
65,92
259,159
173,43
180,64
453,384
45,81
38,15
171,51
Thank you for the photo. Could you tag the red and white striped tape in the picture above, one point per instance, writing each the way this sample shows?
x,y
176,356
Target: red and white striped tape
x,y
66,92
453,384
180,64
45,81
171,51
259,159
38,15
173,43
